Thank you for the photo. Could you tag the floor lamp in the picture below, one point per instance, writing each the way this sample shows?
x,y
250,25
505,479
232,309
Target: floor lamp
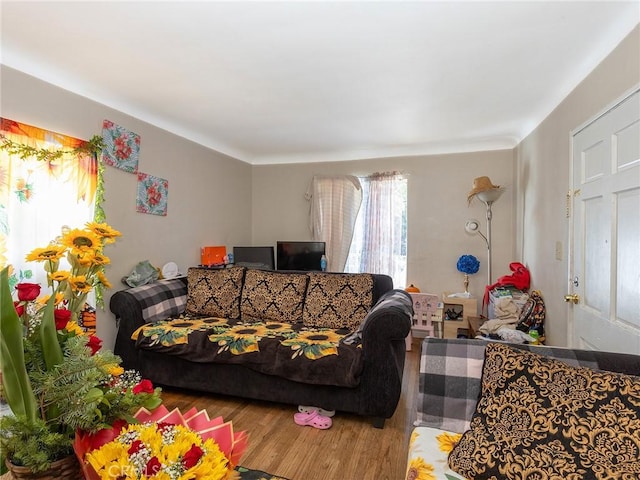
x,y
472,226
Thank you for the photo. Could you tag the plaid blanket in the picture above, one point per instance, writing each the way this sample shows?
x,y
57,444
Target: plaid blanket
x,y
162,299
450,374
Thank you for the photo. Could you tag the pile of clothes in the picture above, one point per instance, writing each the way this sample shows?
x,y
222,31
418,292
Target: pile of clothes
x,y
515,320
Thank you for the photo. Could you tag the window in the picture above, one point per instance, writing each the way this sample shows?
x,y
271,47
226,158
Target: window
x,y
40,196
379,242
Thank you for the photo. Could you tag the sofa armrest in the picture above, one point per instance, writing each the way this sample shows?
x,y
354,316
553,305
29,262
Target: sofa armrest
x,y
383,333
136,306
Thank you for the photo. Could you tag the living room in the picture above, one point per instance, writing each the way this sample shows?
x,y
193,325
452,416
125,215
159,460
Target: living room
x,y
216,199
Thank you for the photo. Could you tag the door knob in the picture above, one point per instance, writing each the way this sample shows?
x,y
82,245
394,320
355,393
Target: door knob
x,y
573,298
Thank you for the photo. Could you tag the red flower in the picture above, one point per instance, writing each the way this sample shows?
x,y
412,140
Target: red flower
x,y
62,317
153,467
94,344
86,441
153,195
135,447
145,386
28,291
192,456
19,308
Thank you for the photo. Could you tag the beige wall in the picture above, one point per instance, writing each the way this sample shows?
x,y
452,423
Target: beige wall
x,y
543,178
214,199
437,210
209,193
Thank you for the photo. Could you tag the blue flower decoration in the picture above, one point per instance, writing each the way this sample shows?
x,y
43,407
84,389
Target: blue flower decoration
x,y
468,264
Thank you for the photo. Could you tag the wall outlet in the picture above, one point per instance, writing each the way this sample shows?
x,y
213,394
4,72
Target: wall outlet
x,y
558,250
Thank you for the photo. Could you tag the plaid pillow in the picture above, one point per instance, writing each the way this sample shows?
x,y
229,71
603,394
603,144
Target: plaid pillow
x,y
162,299
450,373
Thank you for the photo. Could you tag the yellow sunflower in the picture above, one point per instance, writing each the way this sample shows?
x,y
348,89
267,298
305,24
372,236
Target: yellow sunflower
x,y
81,240
73,327
99,259
114,369
414,437
103,280
85,258
241,338
59,276
275,329
44,299
420,470
80,284
49,253
447,441
314,344
104,231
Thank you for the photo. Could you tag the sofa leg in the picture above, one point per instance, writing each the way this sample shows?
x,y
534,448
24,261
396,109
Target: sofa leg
x,y
378,422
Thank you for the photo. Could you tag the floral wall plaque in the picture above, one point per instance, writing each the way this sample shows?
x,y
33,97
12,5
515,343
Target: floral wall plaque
x,y
152,194
121,147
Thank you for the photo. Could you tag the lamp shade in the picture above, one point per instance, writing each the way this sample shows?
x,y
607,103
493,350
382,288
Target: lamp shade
x,y
490,195
472,226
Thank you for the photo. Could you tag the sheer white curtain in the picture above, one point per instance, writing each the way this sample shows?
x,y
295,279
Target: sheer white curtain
x,y
335,201
39,197
379,244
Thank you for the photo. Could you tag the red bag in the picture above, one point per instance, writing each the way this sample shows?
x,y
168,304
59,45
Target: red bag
x,y
520,279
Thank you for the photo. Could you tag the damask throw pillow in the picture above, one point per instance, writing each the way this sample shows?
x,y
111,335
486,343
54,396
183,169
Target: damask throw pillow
x,y
273,296
540,418
337,300
214,292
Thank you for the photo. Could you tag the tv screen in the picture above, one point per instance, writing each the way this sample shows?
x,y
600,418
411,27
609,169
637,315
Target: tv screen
x,y
254,257
299,255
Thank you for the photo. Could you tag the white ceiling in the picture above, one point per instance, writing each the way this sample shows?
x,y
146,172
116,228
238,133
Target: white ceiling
x,y
276,82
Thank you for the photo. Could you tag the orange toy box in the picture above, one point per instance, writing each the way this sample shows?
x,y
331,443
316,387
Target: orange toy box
x,y
210,256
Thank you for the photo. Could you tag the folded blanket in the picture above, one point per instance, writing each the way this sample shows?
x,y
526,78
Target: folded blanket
x,y
396,299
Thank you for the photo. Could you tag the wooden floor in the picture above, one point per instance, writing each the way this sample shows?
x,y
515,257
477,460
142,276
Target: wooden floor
x,y
352,449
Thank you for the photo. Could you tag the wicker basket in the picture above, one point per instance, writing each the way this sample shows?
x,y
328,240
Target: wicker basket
x,y
67,468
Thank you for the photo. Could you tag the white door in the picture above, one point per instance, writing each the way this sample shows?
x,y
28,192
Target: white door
x,y
605,264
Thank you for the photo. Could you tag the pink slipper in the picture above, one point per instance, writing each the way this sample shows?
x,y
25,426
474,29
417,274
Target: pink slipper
x,y
312,419
321,411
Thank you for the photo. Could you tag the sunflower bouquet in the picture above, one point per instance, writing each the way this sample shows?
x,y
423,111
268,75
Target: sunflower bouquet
x,y
83,251
165,445
56,377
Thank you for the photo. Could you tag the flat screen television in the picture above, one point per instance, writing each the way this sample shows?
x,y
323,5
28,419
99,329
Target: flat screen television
x,y
299,255
254,257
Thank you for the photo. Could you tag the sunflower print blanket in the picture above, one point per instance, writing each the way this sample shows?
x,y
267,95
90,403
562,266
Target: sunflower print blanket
x,y
304,354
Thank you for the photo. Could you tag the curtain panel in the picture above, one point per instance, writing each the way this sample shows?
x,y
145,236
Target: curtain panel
x,y
379,243
335,202
39,197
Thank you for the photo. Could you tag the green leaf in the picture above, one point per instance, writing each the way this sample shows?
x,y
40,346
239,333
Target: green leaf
x,y
15,379
51,350
93,395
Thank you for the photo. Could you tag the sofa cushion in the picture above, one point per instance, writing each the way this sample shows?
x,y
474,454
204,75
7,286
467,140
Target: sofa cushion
x,y
273,296
428,451
450,372
337,300
214,292
538,417
162,299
